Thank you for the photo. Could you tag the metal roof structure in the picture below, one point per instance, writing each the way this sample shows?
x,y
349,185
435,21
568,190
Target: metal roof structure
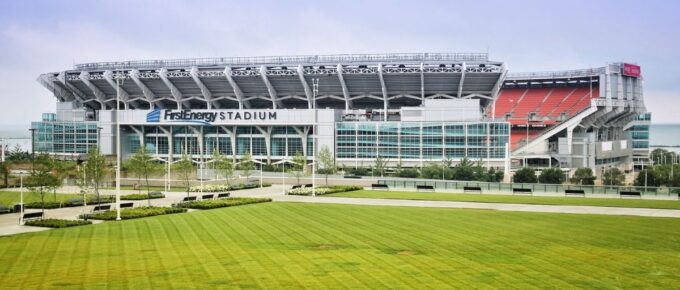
x,y
349,81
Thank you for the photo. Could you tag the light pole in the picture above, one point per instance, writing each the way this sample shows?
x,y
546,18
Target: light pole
x,y
118,148
315,134
21,202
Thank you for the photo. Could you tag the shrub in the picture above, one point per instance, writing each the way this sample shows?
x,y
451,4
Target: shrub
x,y
133,213
224,187
141,196
57,223
551,176
525,175
217,203
324,189
359,171
407,173
583,176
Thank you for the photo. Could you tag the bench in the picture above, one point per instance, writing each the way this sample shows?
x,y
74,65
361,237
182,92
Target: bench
x,y
425,187
468,189
33,215
222,195
207,196
297,186
630,194
188,198
308,185
104,207
4,209
126,205
574,192
522,191
379,186
352,176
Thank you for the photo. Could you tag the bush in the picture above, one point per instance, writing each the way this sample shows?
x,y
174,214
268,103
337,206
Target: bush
x,y
583,176
133,213
407,173
324,189
141,196
525,175
359,171
551,176
57,223
225,188
217,203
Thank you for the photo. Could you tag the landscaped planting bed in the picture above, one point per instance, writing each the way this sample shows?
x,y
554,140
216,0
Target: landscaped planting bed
x,y
324,189
217,203
141,196
133,213
225,188
57,223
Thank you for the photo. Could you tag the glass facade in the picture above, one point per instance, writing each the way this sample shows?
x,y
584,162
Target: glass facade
x,y
56,137
421,140
639,134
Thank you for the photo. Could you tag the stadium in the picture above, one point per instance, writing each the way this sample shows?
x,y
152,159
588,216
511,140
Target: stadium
x,y
408,109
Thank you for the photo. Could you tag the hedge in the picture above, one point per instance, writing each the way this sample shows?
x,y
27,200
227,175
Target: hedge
x,y
141,196
133,213
217,203
70,203
224,187
57,223
324,189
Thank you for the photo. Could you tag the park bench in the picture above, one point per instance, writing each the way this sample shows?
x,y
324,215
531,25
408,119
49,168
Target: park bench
x,y
188,198
379,186
126,205
207,196
424,187
222,195
33,215
104,207
352,176
4,209
308,185
297,186
75,201
522,191
468,189
574,192
630,194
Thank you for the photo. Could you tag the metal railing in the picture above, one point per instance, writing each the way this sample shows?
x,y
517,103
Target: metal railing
x,y
556,74
288,60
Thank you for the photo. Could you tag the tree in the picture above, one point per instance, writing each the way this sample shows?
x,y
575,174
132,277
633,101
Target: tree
x,y
492,175
551,176
246,165
647,177
431,171
143,166
63,169
224,166
583,176
326,162
464,170
5,169
662,156
95,170
184,167
525,175
299,165
407,172
613,176
43,178
379,166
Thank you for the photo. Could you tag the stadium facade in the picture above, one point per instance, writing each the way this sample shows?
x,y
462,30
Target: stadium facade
x,y
409,109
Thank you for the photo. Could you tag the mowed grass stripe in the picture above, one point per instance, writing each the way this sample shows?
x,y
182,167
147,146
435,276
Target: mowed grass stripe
x,y
287,245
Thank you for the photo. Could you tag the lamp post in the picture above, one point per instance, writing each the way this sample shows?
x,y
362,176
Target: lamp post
x,y
21,202
118,148
315,134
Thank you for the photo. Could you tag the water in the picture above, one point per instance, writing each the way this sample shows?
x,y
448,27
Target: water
x,y
14,135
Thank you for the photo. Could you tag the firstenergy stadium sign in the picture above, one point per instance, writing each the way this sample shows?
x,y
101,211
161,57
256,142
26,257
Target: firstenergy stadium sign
x,y
631,70
207,117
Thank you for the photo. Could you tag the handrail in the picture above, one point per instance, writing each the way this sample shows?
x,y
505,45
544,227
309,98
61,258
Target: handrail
x,y
282,60
556,74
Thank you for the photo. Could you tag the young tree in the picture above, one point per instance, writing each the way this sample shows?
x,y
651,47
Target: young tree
x,y
95,170
465,170
43,177
246,165
583,176
184,167
525,175
143,165
379,166
5,169
551,176
647,177
224,166
299,165
326,162
613,176
431,171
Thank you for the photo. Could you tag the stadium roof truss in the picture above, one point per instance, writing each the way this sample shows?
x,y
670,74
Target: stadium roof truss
x,y
373,81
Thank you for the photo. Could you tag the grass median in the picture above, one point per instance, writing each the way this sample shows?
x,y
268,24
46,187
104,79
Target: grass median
x,y
293,246
494,198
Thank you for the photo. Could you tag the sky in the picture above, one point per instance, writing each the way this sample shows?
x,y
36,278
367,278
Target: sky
x,y
50,36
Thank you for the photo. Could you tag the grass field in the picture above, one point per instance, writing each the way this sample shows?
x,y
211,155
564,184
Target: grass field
x,y
314,246
494,198
7,198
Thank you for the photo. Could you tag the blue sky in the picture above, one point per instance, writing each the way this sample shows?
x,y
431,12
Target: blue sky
x,y
46,36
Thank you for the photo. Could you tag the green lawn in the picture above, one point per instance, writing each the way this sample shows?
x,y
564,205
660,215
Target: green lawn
x,y
626,202
315,246
7,198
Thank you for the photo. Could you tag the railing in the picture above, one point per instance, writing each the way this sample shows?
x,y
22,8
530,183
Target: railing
x,y
283,60
535,187
556,74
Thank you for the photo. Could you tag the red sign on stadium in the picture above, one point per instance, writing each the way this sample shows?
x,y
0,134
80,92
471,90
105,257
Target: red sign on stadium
x,y
631,70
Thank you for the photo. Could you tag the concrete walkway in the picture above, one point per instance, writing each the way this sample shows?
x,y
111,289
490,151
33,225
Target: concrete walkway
x,y
624,211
